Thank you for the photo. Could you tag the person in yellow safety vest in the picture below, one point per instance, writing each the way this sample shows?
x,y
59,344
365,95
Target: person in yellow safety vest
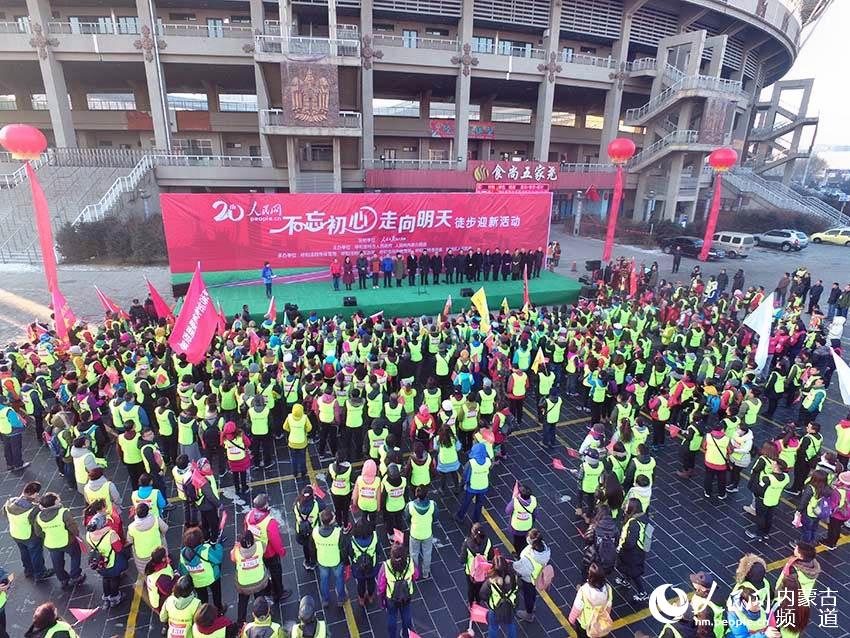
x,y
768,494
703,585
202,562
549,410
748,618
809,448
262,444
329,556
178,610
99,486
420,514
106,548
21,512
376,437
516,390
589,476
341,485
306,509
148,494
209,623
182,475
394,413
236,446
58,530
486,399
131,453
262,626
715,449
145,533
660,411
351,431
442,368
500,591
367,491
188,433
33,402
252,577
298,427
308,626
394,488
159,578
812,403
805,566
328,410
11,435
476,480
532,559
521,510
631,550
842,441
395,587
841,512
47,623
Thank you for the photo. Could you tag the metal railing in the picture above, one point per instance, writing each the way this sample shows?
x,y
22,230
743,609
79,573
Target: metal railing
x,y
343,31
221,161
347,119
10,180
101,104
15,27
643,64
206,30
408,164
588,60
566,167
82,28
436,44
676,137
299,45
669,94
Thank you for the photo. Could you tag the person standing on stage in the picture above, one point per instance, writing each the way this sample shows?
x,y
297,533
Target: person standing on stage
x,y
387,269
449,267
347,273
267,276
436,266
424,267
478,263
469,265
412,263
336,272
398,269
507,264
362,270
375,270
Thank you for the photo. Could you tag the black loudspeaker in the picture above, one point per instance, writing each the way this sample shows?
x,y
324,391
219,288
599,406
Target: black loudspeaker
x,y
466,292
592,264
290,307
179,290
587,281
349,301
587,292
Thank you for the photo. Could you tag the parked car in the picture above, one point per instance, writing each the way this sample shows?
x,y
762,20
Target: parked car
x,y
840,236
735,244
785,239
691,247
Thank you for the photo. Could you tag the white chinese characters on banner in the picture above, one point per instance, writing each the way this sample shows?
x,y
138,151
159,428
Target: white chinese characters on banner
x,y
366,219
528,172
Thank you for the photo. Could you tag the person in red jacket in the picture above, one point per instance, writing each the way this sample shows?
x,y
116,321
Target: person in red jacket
x,y
266,530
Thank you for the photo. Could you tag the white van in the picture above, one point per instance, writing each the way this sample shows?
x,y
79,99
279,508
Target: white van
x,y
735,244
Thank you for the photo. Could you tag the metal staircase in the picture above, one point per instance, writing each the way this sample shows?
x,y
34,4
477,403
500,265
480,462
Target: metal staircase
x,y
685,140
683,88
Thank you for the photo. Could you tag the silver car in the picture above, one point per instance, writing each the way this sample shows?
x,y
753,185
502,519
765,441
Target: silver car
x,y
785,239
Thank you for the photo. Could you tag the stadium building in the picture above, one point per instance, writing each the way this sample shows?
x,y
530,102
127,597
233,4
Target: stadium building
x,y
143,97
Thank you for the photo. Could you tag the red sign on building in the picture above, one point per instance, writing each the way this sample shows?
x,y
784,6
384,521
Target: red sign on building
x,y
477,130
515,172
490,187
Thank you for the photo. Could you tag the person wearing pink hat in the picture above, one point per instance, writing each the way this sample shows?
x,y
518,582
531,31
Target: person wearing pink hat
x,y
236,445
841,513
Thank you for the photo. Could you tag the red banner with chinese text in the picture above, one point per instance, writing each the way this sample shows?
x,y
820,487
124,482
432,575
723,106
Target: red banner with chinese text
x,y
239,231
477,130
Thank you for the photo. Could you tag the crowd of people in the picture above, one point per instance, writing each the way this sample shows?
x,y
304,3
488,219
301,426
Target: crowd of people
x,y
408,416
452,266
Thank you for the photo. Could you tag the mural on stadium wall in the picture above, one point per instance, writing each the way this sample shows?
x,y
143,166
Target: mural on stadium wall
x,y
310,93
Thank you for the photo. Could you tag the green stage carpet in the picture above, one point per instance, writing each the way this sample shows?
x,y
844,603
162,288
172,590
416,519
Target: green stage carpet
x,y
549,289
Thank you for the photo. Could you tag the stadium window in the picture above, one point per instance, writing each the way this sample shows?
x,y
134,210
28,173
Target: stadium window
x,y
383,27
240,19
563,118
443,33
594,121
588,50
409,149
482,44
182,17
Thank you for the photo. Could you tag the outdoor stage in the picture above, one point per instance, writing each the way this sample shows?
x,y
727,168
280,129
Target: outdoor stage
x,y
311,290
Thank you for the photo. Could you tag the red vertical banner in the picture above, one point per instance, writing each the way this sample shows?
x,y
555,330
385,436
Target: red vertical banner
x,y
63,316
45,231
163,311
713,214
526,299
612,215
197,323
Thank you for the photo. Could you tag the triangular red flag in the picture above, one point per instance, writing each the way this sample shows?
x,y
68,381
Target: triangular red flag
x,y
81,615
674,430
572,452
591,194
412,634
525,297
378,316
447,308
222,320
271,313
223,521
478,614
398,536
162,309
558,465
196,325
63,316
255,342
109,305
318,491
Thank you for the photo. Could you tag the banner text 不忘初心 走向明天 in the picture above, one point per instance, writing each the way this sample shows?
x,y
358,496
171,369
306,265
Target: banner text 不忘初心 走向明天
x,y
240,231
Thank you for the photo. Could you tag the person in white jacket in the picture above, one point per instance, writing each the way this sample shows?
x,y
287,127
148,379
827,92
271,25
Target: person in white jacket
x,y
741,455
532,559
836,331
593,599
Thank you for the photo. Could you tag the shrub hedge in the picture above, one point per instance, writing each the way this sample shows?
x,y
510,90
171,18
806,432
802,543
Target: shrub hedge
x,y
126,240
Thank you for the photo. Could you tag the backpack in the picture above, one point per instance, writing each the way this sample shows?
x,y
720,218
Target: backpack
x,y
97,561
304,529
826,506
713,403
363,563
55,446
504,610
606,553
843,512
510,425
544,579
648,531
600,620
400,594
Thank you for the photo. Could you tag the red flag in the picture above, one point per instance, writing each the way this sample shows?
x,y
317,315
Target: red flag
x,y
63,316
196,325
525,298
398,536
109,305
447,309
572,453
45,230
222,320
254,341
82,614
378,316
674,430
478,614
163,311
223,521
271,314
558,465
591,194
318,491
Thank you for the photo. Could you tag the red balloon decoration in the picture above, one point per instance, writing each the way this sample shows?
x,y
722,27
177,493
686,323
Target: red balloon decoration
x,y
620,150
722,159
24,142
